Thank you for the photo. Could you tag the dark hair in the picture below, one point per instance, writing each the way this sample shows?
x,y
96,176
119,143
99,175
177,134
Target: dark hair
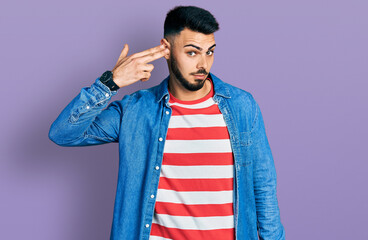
x,y
195,18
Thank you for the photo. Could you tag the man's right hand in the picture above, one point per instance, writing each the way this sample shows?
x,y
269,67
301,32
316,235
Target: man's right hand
x,y
135,67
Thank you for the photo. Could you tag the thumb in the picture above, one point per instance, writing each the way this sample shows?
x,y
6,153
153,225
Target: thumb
x,y
124,52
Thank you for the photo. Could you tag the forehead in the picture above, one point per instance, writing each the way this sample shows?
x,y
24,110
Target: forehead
x,y
188,36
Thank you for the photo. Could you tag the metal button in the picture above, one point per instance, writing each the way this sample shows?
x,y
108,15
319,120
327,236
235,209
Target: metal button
x,y
87,107
160,139
107,95
167,112
152,196
147,225
166,97
157,167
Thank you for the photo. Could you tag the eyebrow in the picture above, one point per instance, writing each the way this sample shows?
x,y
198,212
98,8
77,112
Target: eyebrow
x,y
199,48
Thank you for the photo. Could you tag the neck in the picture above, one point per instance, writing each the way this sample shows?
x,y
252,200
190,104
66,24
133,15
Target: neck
x,y
183,94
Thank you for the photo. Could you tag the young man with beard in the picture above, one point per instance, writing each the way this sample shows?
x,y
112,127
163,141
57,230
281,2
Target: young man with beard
x,y
195,162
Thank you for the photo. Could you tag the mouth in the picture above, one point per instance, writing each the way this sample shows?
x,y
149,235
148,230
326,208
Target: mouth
x,y
200,76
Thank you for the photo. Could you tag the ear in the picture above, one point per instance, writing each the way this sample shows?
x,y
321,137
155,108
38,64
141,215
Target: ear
x,y
167,45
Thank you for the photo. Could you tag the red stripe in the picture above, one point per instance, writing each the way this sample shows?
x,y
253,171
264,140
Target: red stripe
x,y
180,234
178,110
198,184
194,210
195,159
197,133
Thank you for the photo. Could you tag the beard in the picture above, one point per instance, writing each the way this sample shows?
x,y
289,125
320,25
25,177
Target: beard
x,y
184,82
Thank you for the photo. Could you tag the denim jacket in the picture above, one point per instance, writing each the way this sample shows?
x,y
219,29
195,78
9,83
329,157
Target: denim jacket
x,y
139,122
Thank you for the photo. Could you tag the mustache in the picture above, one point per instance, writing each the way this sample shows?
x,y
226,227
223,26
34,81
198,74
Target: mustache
x,y
200,72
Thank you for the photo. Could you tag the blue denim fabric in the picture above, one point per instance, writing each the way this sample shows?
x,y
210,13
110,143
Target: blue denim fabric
x,y
139,122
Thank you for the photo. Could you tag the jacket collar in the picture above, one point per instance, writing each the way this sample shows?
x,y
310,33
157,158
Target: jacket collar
x,y
220,88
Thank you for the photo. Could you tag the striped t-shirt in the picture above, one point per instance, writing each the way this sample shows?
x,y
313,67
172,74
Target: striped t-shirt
x,y
195,192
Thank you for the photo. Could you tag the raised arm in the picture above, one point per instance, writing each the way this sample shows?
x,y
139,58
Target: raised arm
x,y
84,122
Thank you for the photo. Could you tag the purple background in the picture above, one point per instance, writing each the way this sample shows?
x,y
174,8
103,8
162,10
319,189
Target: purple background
x,y
305,62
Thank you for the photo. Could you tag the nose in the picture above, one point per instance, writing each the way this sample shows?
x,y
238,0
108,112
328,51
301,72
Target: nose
x,y
202,63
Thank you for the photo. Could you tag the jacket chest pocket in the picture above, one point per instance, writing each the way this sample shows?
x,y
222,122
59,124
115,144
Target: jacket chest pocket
x,y
245,141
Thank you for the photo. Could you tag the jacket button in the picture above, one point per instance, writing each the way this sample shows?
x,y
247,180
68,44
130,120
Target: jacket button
x,y
152,196
167,112
157,167
147,225
160,139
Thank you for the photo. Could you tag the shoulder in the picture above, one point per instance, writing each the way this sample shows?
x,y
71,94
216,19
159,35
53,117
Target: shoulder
x,y
239,94
232,93
242,104
241,98
140,97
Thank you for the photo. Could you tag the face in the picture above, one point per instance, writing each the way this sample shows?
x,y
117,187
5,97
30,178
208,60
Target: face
x,y
191,54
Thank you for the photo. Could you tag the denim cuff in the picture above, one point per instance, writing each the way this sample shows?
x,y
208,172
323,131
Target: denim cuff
x,y
102,88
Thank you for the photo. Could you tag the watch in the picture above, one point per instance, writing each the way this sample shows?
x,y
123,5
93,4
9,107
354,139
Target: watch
x,y
106,78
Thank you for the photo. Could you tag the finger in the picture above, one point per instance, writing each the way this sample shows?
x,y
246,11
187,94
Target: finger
x,y
145,76
153,56
147,67
148,51
124,52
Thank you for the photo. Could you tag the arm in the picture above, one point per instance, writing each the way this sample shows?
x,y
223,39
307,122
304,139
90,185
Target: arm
x,y
84,122
264,173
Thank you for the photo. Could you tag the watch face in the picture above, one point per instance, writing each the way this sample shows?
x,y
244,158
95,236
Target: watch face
x,y
105,76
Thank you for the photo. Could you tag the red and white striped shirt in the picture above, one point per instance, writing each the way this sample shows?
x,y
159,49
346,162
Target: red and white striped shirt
x,y
195,192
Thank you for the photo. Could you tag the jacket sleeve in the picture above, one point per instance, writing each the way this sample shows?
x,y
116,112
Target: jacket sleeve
x,y
84,122
269,224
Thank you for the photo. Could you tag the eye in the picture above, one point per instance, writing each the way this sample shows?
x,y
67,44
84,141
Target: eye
x,y
211,52
191,52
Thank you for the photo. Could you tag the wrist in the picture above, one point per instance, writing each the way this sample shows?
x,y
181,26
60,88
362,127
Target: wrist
x,y
107,79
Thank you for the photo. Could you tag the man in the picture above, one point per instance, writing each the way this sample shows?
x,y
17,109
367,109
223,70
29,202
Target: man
x,y
195,162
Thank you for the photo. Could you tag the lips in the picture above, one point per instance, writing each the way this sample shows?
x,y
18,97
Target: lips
x,y
201,76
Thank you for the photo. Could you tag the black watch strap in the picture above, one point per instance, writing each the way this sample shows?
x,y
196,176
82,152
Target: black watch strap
x,y
106,78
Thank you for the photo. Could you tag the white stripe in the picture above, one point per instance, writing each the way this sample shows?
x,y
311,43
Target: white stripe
x,y
158,238
209,102
195,223
188,172
203,197
197,120
197,146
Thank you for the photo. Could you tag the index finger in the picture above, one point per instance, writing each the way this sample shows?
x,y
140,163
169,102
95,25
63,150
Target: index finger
x,y
153,56
148,51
